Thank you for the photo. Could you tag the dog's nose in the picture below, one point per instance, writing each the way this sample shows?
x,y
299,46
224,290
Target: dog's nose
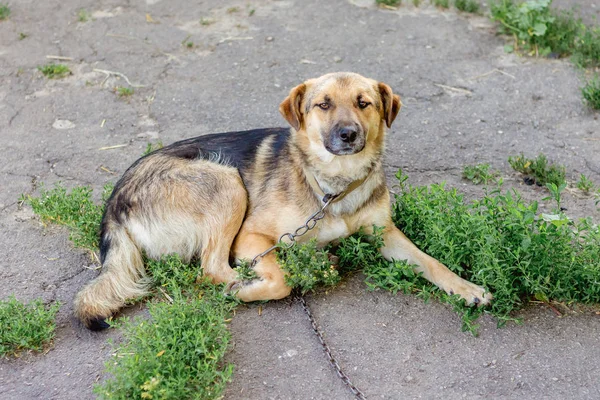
x,y
348,134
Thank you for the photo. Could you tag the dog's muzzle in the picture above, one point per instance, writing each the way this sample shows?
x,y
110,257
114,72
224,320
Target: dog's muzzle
x,y
345,139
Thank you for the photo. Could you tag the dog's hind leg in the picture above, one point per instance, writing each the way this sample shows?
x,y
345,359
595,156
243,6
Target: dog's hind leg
x,y
122,278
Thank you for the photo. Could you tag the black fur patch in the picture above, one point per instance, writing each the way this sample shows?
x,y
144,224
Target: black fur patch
x,y
104,247
98,324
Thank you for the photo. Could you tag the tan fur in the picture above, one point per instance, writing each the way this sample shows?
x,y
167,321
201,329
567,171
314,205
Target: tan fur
x,y
172,203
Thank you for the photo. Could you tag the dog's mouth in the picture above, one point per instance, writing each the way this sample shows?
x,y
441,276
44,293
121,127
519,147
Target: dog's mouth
x,y
344,150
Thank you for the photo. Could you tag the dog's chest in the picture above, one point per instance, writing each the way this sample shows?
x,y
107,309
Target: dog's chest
x,y
332,229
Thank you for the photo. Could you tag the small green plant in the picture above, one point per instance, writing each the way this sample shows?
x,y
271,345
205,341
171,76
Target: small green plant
x,y
232,10
244,270
178,353
151,147
189,44
585,184
389,3
416,3
470,6
307,266
26,326
538,170
4,11
23,36
206,21
54,71
123,91
480,173
251,12
591,93
541,30
441,3
83,15
74,209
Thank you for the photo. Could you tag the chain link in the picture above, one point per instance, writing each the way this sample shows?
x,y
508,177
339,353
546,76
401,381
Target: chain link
x,y
310,224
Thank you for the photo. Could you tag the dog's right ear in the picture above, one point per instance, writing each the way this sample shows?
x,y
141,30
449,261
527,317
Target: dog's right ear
x,y
290,107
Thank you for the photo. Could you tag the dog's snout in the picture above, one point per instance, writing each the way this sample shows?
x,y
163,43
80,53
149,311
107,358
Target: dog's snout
x,y
348,134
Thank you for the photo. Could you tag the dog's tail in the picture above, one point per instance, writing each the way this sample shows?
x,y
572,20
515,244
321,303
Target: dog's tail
x,y
122,278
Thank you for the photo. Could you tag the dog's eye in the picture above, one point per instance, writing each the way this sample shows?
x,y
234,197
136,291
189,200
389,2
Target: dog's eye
x,y
363,104
323,106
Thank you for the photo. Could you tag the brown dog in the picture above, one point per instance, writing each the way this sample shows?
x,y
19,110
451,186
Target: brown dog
x,y
236,193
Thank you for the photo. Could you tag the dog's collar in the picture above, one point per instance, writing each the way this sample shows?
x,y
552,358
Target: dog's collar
x,y
333,197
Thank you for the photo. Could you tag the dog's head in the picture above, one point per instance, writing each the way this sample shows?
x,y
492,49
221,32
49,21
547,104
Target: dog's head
x,y
341,112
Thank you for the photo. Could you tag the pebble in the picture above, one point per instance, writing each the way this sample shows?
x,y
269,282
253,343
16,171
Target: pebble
x,y
63,124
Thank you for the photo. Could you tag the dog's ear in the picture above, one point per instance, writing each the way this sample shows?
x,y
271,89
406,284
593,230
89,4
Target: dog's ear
x,y
391,103
290,107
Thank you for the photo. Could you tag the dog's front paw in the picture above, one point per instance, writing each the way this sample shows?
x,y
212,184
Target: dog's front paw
x,y
472,293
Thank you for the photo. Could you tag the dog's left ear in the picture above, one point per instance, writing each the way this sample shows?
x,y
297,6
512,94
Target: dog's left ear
x,y
290,107
391,103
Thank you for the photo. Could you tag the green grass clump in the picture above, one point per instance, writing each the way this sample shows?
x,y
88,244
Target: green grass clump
x,y
591,93
470,6
54,71
480,173
4,11
307,266
152,147
178,352
124,91
585,184
25,326
390,3
503,244
539,169
542,31
83,15
74,209
441,3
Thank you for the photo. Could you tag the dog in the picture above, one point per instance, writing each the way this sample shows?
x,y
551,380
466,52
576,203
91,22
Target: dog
x,y
232,195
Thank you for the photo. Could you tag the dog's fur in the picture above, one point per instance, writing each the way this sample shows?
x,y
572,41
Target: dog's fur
x,y
234,194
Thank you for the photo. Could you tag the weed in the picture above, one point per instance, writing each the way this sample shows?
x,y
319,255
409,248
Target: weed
x,y
470,6
25,326
178,353
83,15
538,170
251,12
206,21
591,93
232,10
123,91
4,11
54,71
244,270
416,3
152,148
389,3
441,3
74,209
542,31
585,184
479,173
23,36
189,45
307,266
501,243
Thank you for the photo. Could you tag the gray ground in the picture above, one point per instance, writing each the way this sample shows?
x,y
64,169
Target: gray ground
x,y
466,102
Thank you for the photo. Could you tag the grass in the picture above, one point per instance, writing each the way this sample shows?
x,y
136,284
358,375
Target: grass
x,y
83,15
123,91
591,93
389,3
54,71
585,184
470,6
480,173
4,11
538,170
26,326
178,353
540,30
206,21
151,147
441,3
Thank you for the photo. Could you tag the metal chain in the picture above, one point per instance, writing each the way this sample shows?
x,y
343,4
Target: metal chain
x,y
310,224
332,361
